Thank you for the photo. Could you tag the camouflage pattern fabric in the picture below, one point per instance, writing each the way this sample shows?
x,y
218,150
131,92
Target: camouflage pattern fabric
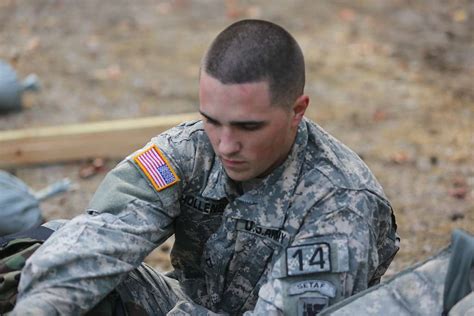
x,y
441,285
13,254
464,307
316,230
415,291
10,269
142,291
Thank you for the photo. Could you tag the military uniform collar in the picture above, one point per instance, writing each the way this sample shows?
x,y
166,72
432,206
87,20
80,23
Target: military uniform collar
x,y
219,186
267,203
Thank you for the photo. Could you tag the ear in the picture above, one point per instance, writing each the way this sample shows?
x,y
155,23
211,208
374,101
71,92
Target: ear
x,y
298,109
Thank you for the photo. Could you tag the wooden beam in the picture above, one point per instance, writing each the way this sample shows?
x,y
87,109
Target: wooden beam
x,y
109,139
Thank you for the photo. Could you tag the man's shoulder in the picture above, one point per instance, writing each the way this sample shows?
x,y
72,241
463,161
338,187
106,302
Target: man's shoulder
x,y
329,158
183,140
173,154
189,130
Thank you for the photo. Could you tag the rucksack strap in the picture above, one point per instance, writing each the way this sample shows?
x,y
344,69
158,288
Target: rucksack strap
x,y
39,233
457,284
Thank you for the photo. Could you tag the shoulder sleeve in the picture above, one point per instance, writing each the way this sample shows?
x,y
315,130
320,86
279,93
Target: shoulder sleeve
x,y
158,173
334,255
127,218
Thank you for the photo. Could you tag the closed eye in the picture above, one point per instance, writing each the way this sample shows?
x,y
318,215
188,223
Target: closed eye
x,y
242,125
212,122
249,126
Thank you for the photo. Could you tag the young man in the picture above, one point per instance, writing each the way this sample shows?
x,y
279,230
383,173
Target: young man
x,y
269,212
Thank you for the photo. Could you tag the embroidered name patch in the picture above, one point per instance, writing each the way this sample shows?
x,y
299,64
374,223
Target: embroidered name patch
x,y
156,168
276,235
203,205
308,258
323,287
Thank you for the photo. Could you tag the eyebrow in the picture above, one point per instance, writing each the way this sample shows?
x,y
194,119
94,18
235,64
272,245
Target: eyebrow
x,y
234,123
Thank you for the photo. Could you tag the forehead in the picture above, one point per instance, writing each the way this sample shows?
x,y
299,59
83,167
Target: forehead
x,y
213,92
206,80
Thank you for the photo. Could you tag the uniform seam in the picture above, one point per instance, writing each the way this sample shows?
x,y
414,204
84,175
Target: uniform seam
x,y
344,187
175,164
187,137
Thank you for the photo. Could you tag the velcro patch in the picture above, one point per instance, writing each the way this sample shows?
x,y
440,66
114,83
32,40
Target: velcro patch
x,y
156,168
309,258
328,253
311,305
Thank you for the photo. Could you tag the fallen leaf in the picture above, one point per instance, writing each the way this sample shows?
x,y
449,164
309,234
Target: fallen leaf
x,y
347,15
459,182
92,168
232,9
459,193
33,44
459,15
400,158
379,115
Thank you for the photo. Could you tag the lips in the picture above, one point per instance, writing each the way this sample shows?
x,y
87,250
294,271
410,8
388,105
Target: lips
x,y
231,162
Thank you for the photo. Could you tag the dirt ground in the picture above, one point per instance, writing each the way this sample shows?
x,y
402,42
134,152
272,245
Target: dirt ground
x,y
391,79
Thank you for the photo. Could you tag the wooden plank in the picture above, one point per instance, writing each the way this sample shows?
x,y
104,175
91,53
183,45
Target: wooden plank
x,y
109,139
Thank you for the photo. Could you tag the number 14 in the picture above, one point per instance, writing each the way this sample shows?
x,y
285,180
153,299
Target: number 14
x,y
308,258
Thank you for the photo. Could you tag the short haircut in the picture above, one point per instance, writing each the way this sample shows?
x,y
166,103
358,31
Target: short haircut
x,y
256,50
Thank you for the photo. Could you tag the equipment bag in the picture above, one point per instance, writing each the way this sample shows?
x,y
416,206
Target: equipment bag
x,y
14,250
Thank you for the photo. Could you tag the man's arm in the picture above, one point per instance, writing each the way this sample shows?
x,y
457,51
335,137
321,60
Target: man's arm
x,y
131,213
90,255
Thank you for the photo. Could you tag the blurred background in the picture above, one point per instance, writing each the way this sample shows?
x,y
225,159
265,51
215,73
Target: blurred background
x,y
392,79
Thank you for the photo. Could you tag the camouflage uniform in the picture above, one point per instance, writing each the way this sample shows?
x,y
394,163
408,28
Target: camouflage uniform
x,y
440,285
415,291
314,231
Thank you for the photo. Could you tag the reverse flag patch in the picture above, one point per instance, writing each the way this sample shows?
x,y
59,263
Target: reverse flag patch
x,y
157,168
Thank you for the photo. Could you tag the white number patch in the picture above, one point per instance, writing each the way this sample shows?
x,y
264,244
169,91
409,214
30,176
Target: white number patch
x,y
308,259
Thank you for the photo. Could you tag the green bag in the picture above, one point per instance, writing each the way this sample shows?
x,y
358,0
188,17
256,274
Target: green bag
x,y
15,249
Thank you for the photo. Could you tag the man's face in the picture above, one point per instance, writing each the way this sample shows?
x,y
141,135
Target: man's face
x,y
249,135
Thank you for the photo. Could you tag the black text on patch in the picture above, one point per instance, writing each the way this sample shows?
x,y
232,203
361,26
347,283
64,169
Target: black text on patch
x,y
310,258
276,235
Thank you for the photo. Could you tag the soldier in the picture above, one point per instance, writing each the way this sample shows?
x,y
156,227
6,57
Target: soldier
x,y
270,213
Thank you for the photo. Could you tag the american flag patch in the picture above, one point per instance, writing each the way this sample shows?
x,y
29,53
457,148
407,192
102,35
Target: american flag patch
x,y
157,169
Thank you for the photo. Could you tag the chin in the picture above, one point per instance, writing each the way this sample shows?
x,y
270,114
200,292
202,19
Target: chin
x,y
239,176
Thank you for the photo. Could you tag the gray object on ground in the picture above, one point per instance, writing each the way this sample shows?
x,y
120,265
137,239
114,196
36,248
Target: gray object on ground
x,y
53,189
11,89
460,276
19,205
438,286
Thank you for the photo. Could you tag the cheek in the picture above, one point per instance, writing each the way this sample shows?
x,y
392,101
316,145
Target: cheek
x,y
263,147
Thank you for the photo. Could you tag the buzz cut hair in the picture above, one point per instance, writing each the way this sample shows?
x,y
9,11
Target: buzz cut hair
x,y
255,50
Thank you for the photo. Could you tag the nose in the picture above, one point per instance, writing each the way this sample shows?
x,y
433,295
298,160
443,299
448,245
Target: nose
x,y
228,142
